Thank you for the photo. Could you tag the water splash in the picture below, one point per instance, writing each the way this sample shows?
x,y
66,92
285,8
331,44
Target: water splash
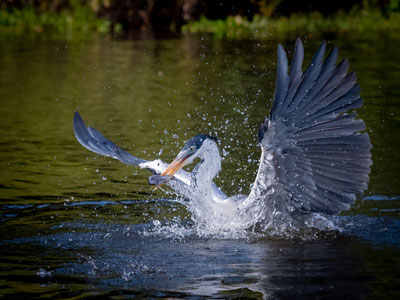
x,y
376,228
257,223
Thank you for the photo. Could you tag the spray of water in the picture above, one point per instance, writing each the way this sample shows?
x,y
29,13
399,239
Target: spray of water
x,y
240,218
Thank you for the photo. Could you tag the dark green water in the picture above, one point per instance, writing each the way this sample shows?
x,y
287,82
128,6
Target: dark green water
x,y
76,225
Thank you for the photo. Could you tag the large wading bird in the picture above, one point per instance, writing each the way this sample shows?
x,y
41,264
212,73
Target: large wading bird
x,y
314,158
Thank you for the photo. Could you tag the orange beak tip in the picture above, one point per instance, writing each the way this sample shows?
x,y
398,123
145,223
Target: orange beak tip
x,y
174,167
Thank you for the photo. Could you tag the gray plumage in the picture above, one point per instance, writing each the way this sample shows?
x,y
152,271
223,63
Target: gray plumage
x,y
94,141
321,158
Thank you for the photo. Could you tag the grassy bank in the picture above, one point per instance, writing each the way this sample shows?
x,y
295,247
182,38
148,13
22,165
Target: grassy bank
x,y
261,27
77,20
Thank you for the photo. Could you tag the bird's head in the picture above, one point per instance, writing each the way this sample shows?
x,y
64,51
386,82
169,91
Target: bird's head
x,y
197,146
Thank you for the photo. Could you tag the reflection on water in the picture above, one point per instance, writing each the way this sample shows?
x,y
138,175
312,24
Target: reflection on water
x,y
77,225
82,258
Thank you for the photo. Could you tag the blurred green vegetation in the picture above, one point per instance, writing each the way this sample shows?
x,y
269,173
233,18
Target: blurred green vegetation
x,y
77,19
226,19
262,27
394,5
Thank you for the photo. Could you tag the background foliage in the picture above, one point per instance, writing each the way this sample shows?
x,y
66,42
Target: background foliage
x,y
249,18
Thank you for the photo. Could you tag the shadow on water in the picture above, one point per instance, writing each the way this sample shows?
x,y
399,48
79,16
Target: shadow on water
x,y
75,225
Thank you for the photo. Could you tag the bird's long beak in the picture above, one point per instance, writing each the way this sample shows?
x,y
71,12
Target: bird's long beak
x,y
176,165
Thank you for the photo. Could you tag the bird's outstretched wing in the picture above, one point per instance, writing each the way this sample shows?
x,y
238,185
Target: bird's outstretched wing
x,y
93,140
312,149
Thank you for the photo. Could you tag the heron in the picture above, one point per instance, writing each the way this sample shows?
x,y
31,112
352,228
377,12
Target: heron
x,y
315,153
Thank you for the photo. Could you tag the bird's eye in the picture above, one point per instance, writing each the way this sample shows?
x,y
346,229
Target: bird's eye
x,y
193,148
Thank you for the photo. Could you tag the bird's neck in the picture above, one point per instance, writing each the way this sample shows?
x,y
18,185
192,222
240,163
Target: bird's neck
x,y
209,166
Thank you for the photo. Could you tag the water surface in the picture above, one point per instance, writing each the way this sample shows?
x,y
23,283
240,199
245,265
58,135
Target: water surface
x,y
74,224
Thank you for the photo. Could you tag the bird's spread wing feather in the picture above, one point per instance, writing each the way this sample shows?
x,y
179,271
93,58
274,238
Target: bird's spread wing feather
x,y
93,140
317,154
